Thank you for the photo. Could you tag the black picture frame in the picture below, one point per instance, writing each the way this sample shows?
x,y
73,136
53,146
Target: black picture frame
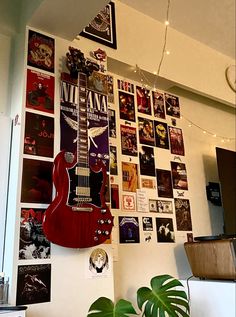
x,y
107,34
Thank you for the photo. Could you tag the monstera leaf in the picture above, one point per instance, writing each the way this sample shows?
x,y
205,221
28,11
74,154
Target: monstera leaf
x,y
104,307
163,299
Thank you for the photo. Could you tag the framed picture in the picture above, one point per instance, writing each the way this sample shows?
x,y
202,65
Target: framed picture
x,y
102,28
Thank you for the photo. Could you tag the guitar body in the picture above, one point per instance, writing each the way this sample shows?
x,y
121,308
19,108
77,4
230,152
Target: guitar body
x,y
77,224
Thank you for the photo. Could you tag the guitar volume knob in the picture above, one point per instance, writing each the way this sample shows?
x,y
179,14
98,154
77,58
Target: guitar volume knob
x,y
98,232
108,221
106,233
101,221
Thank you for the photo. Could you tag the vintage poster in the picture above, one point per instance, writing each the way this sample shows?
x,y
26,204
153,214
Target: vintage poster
x,y
161,134
146,131
129,177
39,135
41,51
176,141
129,202
158,105
40,91
33,243
33,284
165,230
98,83
143,100
147,224
152,205
125,85
112,123
165,206
110,88
129,229
172,105
36,184
99,263
146,161
179,175
148,183
113,160
128,140
126,106
115,196
183,214
164,183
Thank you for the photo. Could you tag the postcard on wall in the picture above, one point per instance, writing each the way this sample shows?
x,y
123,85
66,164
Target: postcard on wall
x,y
33,243
110,88
39,135
33,284
152,205
129,177
148,183
142,200
176,141
147,224
40,91
146,161
146,131
158,105
179,175
161,134
164,183
113,160
36,181
165,230
125,85
98,263
129,229
115,196
112,123
183,214
129,202
172,105
165,206
143,100
128,140
126,106
98,83
41,50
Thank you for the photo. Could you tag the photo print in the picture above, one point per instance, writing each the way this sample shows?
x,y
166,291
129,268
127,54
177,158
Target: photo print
x,y
125,85
179,175
113,160
129,202
99,263
110,88
146,161
33,243
183,214
172,105
148,183
128,140
165,230
129,229
152,205
112,123
164,183
161,134
146,131
176,141
158,105
143,100
165,206
147,224
129,177
126,106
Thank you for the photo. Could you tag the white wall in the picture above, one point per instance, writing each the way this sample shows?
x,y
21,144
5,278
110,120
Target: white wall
x,y
5,54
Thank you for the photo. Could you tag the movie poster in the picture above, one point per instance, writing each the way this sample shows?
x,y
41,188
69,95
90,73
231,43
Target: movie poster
x,y
158,105
113,160
125,85
161,134
40,91
41,51
183,214
112,123
129,230
165,230
115,196
172,105
143,100
147,224
129,177
128,140
126,106
176,141
33,284
146,131
146,161
110,88
164,183
33,243
129,202
179,175
39,135
165,206
36,184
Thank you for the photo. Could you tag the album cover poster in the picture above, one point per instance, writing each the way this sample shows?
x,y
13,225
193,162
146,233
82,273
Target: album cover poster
x,y
183,214
129,202
165,230
39,135
146,131
152,205
147,224
158,105
126,106
40,91
128,140
129,177
33,284
172,105
129,230
146,161
33,243
110,88
125,85
164,183
165,206
176,141
113,160
161,134
36,184
98,83
115,196
143,100
179,175
112,123
41,51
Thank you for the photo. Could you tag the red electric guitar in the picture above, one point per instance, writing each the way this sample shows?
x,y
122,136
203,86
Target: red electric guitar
x,y
78,217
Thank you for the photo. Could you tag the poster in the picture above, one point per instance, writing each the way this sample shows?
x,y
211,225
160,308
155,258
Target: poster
x,y
179,175
176,141
126,106
129,177
147,224
98,83
110,88
99,263
113,160
183,214
128,140
115,204
125,85
112,123
129,202
161,134
158,105
152,205
172,105
164,206
146,131
143,100
164,183
146,161
165,231
129,229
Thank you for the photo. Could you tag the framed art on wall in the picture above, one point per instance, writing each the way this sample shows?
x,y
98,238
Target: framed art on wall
x,y
102,28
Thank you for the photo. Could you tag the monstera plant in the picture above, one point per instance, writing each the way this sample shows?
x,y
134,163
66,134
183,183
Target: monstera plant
x,y
165,298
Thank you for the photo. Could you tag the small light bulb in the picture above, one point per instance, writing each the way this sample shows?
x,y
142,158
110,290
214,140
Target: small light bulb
x,y
167,52
167,23
204,132
214,135
190,125
155,73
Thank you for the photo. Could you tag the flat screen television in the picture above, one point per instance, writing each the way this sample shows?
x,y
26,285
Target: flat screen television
x,y
226,163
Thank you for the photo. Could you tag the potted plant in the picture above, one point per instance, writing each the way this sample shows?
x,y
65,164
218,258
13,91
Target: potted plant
x,y
165,298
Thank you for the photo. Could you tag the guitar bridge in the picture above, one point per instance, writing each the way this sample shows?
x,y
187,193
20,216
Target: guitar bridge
x,y
83,209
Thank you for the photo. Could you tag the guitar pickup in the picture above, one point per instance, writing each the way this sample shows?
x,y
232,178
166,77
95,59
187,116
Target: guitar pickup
x,y
82,171
83,191
83,209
